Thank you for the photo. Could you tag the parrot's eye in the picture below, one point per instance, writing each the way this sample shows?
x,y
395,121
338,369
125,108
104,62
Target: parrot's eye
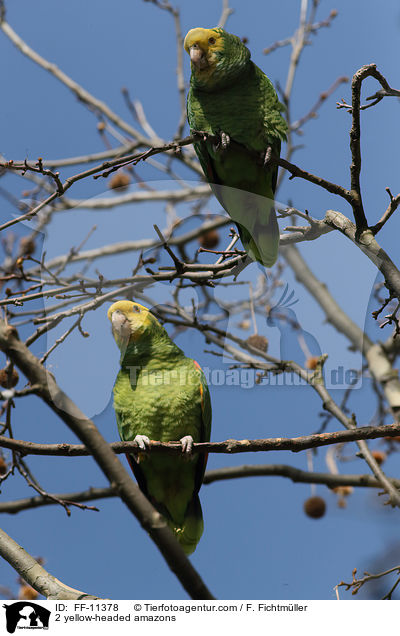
x,y
136,308
211,40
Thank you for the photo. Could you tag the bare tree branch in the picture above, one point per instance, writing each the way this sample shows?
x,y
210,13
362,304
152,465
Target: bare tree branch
x,y
378,362
35,574
230,446
356,584
294,474
226,12
367,244
91,494
82,94
392,207
219,474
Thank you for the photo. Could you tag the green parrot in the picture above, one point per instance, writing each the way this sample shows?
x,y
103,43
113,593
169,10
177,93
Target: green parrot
x,y
231,98
161,394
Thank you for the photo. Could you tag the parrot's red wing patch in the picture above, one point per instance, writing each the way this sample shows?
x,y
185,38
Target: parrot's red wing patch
x,y
198,367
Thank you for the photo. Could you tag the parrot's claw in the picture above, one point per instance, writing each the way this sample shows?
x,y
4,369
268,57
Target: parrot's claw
x,y
143,442
187,445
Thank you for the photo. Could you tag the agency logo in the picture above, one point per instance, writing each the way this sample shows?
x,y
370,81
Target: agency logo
x,y
26,615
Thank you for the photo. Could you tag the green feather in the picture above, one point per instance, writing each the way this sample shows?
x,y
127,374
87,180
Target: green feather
x,y
233,96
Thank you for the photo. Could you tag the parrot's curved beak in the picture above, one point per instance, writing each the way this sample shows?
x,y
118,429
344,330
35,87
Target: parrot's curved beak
x,y
120,326
198,57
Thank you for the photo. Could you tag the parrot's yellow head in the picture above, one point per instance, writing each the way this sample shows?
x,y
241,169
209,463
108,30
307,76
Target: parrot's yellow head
x,y
217,57
203,46
130,321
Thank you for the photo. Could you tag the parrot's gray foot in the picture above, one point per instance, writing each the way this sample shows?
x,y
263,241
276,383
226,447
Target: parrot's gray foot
x,y
267,156
223,142
187,445
143,442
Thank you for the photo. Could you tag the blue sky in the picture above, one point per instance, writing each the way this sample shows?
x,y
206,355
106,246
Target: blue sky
x,y
257,541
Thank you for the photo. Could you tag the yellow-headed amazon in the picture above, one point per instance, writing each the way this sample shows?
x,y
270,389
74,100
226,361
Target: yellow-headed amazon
x,y
162,395
231,99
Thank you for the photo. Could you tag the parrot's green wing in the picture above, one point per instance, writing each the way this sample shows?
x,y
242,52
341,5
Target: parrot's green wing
x,y
247,194
170,482
190,532
204,432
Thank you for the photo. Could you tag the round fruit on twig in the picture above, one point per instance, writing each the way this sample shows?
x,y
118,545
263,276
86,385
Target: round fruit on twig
x,y
257,341
315,507
7,380
119,181
209,240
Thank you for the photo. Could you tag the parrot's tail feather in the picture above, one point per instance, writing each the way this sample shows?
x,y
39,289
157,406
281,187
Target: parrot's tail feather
x,y
263,242
189,534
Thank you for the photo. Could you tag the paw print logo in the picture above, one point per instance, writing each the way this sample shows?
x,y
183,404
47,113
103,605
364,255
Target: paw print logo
x,y
296,343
